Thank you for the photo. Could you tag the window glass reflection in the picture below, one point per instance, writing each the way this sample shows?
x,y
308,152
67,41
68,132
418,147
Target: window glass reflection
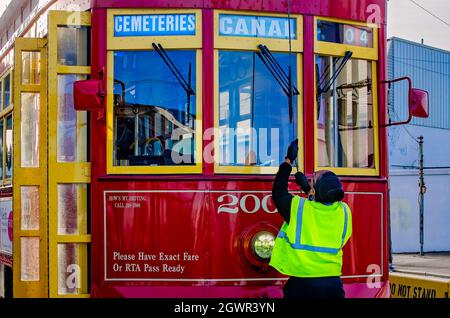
x,y
345,114
7,88
154,120
255,129
9,146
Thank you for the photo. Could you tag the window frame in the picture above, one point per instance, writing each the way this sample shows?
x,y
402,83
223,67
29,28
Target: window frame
x,y
134,43
4,113
249,44
363,53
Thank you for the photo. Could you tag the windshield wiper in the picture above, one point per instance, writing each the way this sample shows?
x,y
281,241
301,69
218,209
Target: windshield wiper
x,y
283,79
186,85
336,71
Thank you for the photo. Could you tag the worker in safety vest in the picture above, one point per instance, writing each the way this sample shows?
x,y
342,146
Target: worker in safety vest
x,y
309,245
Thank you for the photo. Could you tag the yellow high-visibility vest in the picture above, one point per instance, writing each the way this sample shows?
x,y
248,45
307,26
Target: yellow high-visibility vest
x,y
311,244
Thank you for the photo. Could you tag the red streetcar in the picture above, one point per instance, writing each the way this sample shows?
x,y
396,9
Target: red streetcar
x,y
159,184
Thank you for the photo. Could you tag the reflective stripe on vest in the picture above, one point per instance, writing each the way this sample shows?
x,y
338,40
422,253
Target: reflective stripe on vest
x,y
298,234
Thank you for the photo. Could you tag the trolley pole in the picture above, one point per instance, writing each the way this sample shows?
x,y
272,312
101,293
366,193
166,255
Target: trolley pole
x,y
422,190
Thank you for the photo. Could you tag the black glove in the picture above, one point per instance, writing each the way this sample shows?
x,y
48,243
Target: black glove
x,y
292,151
302,181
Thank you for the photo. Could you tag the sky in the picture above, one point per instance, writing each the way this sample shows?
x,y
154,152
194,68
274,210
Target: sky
x,y
406,20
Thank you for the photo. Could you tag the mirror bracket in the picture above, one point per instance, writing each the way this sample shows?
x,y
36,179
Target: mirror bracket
x,y
418,102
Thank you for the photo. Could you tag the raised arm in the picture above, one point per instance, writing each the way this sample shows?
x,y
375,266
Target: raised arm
x,y
280,195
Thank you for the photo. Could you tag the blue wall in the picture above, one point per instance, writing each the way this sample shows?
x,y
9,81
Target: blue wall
x,y
429,68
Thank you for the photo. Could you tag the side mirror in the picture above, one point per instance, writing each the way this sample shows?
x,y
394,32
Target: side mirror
x,y
419,103
88,95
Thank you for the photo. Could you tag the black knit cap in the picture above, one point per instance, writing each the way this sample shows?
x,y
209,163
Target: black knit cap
x,y
328,187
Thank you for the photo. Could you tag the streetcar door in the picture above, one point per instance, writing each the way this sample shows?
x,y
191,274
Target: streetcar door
x,y
51,161
30,241
69,169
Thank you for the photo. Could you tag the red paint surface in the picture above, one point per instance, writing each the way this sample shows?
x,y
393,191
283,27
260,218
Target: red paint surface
x,y
180,219
343,9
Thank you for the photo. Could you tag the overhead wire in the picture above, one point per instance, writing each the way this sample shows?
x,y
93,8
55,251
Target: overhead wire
x,y
430,13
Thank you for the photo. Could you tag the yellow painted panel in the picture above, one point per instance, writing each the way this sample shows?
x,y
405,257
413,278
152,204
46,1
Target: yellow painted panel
x,y
85,238
65,172
415,286
30,176
65,69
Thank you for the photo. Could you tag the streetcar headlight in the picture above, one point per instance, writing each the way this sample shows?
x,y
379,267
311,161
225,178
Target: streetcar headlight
x,y
262,244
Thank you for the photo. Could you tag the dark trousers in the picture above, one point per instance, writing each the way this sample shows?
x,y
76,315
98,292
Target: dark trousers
x,y
320,287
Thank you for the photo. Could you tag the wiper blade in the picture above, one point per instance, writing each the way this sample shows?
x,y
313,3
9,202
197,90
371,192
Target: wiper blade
x,y
275,69
270,68
163,54
186,85
283,79
336,73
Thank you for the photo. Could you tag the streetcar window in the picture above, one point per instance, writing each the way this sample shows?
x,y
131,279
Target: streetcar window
x,y
31,68
154,118
7,88
9,145
72,125
73,45
255,129
345,113
1,147
328,31
1,95
29,146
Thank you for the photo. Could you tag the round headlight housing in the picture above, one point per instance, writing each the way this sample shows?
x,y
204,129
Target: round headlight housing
x,y
262,244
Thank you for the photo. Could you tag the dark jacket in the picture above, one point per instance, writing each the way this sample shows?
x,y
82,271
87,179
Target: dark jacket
x,y
280,195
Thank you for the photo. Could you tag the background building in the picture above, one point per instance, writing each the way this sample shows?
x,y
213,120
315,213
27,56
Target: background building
x,y
429,69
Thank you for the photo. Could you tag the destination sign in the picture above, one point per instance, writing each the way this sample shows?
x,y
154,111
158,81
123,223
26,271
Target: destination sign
x,y
154,25
256,26
328,31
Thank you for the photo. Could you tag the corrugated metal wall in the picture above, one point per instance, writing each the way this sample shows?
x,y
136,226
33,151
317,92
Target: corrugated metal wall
x,y
429,69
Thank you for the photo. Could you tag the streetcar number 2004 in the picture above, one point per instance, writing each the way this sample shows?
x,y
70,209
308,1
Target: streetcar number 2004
x,y
248,203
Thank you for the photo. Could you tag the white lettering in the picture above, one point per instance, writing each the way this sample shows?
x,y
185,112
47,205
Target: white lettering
x,y
374,279
258,27
191,22
153,18
375,14
241,27
177,22
118,24
161,23
136,23
225,26
183,23
73,280
145,23
274,29
169,23
126,24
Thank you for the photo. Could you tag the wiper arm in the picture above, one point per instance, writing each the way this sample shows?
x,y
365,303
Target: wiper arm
x,y
283,79
336,73
273,72
275,69
186,85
